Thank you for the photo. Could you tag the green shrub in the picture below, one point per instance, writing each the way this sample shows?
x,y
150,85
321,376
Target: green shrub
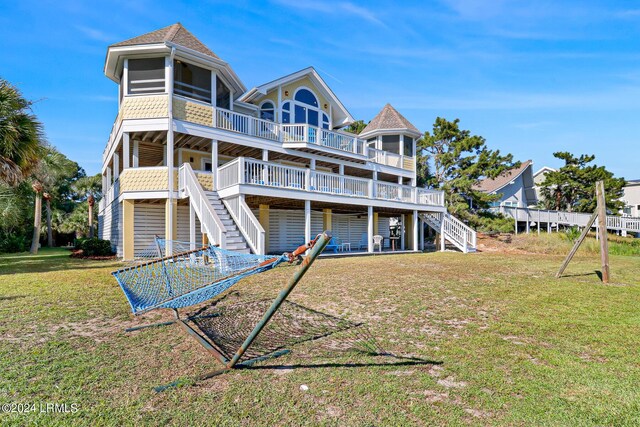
x,y
572,233
96,247
77,244
14,243
489,222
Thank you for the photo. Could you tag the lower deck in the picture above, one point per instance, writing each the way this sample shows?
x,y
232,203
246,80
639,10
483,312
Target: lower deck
x,y
283,221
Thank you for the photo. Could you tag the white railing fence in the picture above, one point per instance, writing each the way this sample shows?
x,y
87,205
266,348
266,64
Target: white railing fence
x,y
459,231
247,125
243,170
452,229
188,184
579,219
247,223
228,174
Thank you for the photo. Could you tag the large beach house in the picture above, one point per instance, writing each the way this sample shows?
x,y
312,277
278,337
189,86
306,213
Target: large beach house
x,y
195,156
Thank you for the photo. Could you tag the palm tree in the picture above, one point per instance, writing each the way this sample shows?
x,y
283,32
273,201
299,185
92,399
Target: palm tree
x,y
21,135
47,197
46,176
37,218
89,187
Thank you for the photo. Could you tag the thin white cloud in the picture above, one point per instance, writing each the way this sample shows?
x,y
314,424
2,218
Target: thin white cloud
x,y
615,98
342,8
95,34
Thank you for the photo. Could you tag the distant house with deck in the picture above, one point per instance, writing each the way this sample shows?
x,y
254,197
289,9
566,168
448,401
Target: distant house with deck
x,y
631,198
515,186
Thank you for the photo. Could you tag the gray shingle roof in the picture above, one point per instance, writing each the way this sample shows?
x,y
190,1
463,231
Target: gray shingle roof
x,y
489,185
389,118
175,33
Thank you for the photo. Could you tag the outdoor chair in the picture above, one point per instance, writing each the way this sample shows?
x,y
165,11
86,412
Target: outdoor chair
x,y
378,240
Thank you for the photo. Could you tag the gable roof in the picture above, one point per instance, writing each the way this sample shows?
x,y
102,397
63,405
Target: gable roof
x,y
175,34
389,119
342,117
544,169
489,185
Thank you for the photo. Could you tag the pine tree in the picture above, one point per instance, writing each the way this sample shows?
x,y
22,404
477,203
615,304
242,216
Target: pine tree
x,y
460,160
572,187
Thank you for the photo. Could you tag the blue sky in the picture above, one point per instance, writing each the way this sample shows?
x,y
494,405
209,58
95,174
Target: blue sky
x,y
532,77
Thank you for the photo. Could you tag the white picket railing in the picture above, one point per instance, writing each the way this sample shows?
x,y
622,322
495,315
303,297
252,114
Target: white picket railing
x,y
272,174
244,170
459,232
387,158
247,223
617,223
229,174
430,197
388,191
188,184
247,125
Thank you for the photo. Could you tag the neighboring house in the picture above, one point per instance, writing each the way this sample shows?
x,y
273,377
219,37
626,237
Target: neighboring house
x,y
539,177
194,156
631,198
515,186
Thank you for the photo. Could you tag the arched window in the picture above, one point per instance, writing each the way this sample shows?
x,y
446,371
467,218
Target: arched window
x,y
267,111
305,110
325,121
305,96
286,112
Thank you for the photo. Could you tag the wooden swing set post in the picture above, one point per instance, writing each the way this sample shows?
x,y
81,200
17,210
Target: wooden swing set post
x,y
601,215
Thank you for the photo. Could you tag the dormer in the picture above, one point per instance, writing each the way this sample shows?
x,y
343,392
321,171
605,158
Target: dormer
x,y
145,65
390,131
302,97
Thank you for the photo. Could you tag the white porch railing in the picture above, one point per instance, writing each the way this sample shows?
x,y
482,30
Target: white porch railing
x,y
323,137
257,172
247,125
388,191
189,185
323,182
228,174
247,223
387,158
430,197
460,232
617,223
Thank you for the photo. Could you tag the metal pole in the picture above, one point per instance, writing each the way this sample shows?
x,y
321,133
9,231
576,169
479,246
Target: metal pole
x,y
322,241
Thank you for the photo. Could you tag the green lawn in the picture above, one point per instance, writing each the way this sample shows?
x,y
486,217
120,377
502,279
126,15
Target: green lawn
x,y
485,339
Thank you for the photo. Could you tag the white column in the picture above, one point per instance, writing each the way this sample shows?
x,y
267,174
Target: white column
x,y
125,81
307,220
279,106
214,162
136,154
108,178
214,96
415,230
370,229
400,180
125,150
169,156
192,227
265,170
421,226
341,172
402,232
116,166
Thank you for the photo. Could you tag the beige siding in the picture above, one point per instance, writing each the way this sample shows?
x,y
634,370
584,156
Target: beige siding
x,y
192,112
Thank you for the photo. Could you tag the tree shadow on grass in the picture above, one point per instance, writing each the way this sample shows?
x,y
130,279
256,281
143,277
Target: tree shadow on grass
x,y
314,334
47,261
